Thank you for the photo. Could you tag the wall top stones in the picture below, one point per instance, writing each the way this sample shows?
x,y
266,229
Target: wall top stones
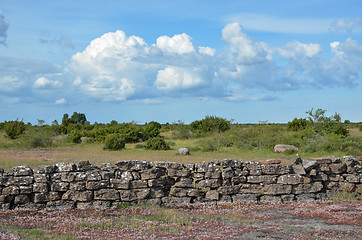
x,y
69,185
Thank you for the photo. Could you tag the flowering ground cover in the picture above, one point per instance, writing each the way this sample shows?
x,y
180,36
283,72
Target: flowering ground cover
x,y
293,220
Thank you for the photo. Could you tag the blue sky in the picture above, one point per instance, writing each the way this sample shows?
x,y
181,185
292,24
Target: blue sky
x,y
176,60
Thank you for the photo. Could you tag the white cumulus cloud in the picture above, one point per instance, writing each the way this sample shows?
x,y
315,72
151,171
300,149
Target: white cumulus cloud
x,y
172,78
297,50
43,82
181,43
116,67
242,48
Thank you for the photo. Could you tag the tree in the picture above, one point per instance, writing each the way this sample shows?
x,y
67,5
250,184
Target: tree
x,y
317,116
79,117
331,124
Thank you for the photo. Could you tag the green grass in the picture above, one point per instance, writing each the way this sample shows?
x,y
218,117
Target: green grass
x,y
34,233
346,196
246,147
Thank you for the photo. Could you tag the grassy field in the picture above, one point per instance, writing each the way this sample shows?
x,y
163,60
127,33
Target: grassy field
x,y
13,153
96,155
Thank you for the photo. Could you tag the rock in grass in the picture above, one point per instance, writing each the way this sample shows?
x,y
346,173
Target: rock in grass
x,y
183,151
283,147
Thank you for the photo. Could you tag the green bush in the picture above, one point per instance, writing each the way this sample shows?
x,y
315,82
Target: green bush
x,y
157,143
14,129
75,137
114,142
297,124
153,129
210,124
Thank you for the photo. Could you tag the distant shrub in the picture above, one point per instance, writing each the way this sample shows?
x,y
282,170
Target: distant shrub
x,y
180,130
210,124
157,143
297,124
152,129
75,137
14,129
38,137
114,142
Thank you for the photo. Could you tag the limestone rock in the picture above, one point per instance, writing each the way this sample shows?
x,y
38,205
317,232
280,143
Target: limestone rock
x,y
183,151
106,194
277,189
22,171
282,147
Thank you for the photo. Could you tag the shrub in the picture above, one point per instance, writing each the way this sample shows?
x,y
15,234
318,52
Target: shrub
x,y
153,129
157,143
38,137
14,129
210,124
297,124
75,137
114,142
181,130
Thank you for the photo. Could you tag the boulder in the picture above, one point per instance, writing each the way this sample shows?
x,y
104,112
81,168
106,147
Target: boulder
x,y
282,147
183,151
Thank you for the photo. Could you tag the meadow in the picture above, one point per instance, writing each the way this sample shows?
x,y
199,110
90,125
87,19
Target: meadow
x,y
208,139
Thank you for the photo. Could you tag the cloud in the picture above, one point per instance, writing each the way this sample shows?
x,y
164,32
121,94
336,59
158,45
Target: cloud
x,y
179,44
343,25
298,50
61,101
3,29
63,41
207,51
17,78
116,67
44,83
342,69
242,48
174,78
10,83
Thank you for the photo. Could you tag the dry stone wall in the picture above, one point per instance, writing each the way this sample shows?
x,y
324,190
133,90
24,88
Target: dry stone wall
x,y
82,185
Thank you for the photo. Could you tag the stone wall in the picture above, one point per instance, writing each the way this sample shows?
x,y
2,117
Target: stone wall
x,y
82,185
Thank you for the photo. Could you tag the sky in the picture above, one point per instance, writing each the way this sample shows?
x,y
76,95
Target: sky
x,y
181,60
